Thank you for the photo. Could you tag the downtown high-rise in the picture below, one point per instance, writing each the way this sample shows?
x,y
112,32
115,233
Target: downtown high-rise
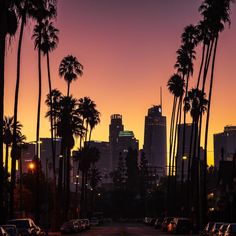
x,y
155,138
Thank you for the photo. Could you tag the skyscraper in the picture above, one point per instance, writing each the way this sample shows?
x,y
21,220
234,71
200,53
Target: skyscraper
x,y
224,145
114,129
155,137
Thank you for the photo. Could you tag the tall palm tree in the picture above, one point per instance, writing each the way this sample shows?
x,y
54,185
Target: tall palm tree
x,y
68,124
70,68
49,43
8,27
216,14
197,105
53,102
185,57
176,87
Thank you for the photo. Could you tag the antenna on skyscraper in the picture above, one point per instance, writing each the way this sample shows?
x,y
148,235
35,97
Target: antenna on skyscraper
x,y
161,97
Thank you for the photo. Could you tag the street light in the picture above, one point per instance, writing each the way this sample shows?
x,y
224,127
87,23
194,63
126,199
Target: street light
x,y
184,157
31,166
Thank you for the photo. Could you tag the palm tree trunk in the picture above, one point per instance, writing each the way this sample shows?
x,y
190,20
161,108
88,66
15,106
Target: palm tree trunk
x,y
67,182
39,99
7,158
51,121
183,145
177,154
2,65
207,62
201,66
68,89
170,154
207,126
175,140
14,144
189,167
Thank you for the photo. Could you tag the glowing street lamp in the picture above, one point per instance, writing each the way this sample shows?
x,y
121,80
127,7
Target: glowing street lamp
x,y
184,157
31,166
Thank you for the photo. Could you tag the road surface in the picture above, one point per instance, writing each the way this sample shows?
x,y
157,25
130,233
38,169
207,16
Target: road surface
x,y
122,230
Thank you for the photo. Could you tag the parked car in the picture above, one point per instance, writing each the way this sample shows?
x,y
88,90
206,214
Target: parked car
x,y
158,222
221,231
207,229
69,227
25,227
94,221
86,223
181,226
10,229
230,230
3,232
215,229
165,223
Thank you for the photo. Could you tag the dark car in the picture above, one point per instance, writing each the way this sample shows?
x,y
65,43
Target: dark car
x,y
215,229
181,226
25,227
230,230
165,223
207,229
11,230
158,223
222,229
70,227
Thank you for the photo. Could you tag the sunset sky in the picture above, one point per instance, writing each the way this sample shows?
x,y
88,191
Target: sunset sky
x,y
128,50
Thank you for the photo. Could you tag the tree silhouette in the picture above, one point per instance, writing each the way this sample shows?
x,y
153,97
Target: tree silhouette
x,y
70,68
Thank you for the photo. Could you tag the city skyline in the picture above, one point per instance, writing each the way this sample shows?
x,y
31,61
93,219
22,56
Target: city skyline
x,y
107,76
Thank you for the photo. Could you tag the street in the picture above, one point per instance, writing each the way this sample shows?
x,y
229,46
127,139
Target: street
x,y
122,230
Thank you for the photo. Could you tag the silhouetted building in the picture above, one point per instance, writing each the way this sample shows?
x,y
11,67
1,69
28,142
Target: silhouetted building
x,y
155,137
114,129
27,155
46,157
185,154
126,140
104,162
224,145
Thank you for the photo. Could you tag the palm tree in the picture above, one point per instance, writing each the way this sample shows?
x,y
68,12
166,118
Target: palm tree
x,y
49,43
176,87
197,105
184,64
8,27
94,120
68,124
8,135
53,102
87,109
46,9
216,15
87,156
70,68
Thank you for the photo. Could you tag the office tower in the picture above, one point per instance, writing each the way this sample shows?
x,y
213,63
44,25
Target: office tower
x,y
126,140
155,137
46,156
224,145
114,129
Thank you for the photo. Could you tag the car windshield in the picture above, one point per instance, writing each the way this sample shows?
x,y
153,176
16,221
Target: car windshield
x,y
20,223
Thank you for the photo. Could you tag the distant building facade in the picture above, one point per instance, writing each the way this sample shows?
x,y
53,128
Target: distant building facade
x,y
126,140
155,138
115,127
104,163
224,145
